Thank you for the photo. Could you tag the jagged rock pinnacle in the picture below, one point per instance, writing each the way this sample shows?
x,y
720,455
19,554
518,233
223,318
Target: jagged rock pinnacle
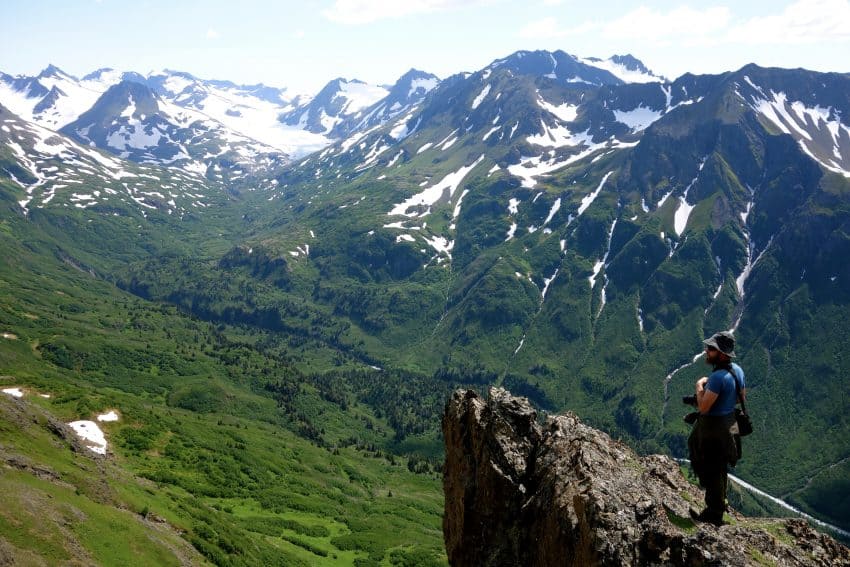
x,y
563,493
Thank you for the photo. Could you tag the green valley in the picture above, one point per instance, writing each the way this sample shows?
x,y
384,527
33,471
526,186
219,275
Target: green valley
x,y
278,344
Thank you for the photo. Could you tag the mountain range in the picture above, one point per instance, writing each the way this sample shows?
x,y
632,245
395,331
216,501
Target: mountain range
x,y
568,228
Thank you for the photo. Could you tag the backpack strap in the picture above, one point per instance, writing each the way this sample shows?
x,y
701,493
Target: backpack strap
x,y
729,369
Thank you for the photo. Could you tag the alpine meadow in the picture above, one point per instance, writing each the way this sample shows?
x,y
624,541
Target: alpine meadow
x,y
232,317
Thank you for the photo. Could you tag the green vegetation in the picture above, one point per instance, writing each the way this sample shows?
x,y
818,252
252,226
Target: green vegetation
x,y
685,524
282,406
225,451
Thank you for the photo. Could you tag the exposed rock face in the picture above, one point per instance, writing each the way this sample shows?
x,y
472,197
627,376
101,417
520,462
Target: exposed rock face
x,y
563,493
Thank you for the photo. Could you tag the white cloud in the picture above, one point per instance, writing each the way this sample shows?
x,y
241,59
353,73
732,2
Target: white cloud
x,y
355,12
213,34
541,29
549,28
654,26
642,24
804,21
299,34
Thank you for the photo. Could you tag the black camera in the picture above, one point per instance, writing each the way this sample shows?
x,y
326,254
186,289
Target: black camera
x,y
692,417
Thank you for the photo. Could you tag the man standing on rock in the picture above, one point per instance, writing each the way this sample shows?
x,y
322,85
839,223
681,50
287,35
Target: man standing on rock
x,y
714,442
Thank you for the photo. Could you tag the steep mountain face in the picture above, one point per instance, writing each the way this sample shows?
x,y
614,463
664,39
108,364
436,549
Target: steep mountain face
x,y
135,123
249,110
561,67
562,493
408,91
55,99
627,68
186,87
338,100
520,224
47,169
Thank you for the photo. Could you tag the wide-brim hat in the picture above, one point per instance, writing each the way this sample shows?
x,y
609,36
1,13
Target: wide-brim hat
x,y
722,341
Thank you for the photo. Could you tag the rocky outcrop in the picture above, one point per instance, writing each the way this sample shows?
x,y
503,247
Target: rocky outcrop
x,y
561,493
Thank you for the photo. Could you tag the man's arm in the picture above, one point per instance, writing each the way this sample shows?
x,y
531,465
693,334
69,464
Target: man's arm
x,y
705,398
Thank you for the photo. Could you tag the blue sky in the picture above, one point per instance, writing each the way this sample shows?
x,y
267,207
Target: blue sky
x,y
302,45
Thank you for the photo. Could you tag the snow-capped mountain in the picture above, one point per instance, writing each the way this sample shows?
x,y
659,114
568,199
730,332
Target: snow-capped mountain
x,y
545,105
51,169
184,87
558,66
812,110
132,121
338,100
519,121
627,68
408,91
248,110
54,99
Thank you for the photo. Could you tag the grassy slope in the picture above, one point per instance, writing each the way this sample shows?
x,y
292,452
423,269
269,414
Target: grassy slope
x,y
230,478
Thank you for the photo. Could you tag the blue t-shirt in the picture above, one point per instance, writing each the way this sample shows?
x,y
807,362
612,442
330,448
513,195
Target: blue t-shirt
x,y
722,383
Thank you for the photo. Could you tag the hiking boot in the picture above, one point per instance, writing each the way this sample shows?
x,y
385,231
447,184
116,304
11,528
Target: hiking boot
x,y
708,517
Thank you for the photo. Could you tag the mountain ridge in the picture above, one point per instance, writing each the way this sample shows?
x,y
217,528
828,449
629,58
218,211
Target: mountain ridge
x,y
570,241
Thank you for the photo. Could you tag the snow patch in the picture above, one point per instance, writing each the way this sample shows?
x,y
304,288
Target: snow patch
x,y
597,267
547,282
425,84
111,415
588,200
361,95
441,244
513,206
603,263
14,392
638,118
448,144
622,72
553,211
490,132
741,280
395,158
91,434
559,136
456,212
400,131
481,96
683,212
804,123
431,195
565,112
